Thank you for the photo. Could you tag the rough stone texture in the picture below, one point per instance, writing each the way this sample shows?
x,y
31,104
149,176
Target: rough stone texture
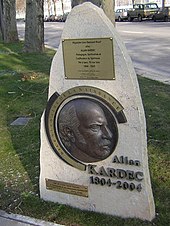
x,y
88,21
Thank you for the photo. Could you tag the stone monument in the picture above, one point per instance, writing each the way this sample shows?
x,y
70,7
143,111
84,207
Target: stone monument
x,y
93,133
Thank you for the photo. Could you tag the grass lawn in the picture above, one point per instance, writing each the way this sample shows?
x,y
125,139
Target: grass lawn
x,y
23,92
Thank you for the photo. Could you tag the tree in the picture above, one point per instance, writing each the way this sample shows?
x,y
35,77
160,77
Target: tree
x,y
34,26
8,25
133,2
106,5
54,1
163,4
62,6
1,21
108,8
77,2
48,4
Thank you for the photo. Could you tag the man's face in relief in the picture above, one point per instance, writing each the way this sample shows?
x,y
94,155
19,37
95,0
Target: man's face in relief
x,y
96,136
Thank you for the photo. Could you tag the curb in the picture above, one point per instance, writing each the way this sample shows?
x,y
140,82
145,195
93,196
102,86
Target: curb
x,y
19,220
141,72
151,75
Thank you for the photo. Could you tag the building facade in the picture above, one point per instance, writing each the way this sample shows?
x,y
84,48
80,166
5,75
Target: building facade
x,y
58,7
119,3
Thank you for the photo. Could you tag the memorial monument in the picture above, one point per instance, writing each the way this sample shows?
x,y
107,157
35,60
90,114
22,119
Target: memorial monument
x,y
93,132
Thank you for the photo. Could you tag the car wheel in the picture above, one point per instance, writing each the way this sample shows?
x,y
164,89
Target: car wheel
x,y
166,19
139,18
129,18
154,18
119,19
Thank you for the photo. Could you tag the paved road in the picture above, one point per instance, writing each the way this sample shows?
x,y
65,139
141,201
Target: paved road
x,y
147,42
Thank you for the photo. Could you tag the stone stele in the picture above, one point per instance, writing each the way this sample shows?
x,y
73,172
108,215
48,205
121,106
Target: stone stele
x,y
120,184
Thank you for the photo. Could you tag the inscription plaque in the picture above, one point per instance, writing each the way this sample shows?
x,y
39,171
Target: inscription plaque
x,y
65,187
88,58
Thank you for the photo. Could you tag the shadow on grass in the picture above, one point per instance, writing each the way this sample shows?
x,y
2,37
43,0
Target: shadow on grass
x,y
20,145
69,216
156,101
13,58
24,85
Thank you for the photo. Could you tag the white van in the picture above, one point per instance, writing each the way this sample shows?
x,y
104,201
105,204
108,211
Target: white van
x,y
121,14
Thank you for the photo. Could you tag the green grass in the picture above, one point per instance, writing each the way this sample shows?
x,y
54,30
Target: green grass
x,y
23,91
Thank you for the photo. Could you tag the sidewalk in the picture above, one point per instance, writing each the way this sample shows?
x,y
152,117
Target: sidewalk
x,y
19,220
161,78
143,72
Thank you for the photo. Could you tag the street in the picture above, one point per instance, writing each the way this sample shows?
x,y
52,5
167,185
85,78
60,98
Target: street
x,y
147,42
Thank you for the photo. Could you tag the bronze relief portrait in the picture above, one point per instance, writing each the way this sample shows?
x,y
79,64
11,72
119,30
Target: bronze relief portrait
x,y
87,129
82,125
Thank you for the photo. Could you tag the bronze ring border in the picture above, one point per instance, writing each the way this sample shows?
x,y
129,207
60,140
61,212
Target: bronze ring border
x,y
53,105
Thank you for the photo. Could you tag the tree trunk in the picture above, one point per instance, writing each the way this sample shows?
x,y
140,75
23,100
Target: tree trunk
x,y
163,4
8,21
77,2
108,8
48,3
107,5
54,5
62,6
34,26
1,21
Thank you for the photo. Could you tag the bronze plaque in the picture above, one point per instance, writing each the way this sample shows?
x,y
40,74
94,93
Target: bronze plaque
x,y
89,59
81,125
73,189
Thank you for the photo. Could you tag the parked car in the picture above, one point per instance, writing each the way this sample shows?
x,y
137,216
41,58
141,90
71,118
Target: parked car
x,y
121,14
61,18
51,18
65,16
162,14
141,11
